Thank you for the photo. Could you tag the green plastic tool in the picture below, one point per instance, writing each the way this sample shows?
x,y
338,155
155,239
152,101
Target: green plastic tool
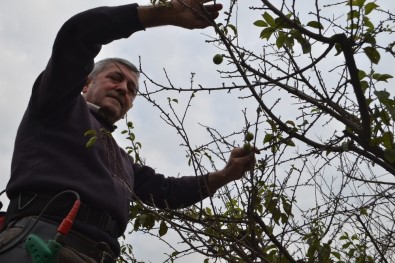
x,y
40,251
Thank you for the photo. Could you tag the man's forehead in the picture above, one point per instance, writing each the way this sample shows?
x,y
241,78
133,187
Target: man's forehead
x,y
118,67
125,71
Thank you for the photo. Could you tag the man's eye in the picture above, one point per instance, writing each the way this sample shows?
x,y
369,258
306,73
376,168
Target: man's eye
x,y
132,91
115,78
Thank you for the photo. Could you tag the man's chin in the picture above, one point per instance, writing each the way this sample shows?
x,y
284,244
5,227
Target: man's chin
x,y
110,114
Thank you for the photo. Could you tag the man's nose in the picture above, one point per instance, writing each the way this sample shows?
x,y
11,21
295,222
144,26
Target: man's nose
x,y
122,87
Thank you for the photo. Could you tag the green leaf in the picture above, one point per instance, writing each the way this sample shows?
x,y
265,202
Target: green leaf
x,y
137,157
369,7
361,74
209,211
175,253
91,141
290,143
345,246
363,211
90,132
290,123
284,220
305,44
353,26
368,24
234,29
390,155
369,38
304,123
148,221
280,23
353,14
358,3
268,138
267,32
336,254
272,124
388,140
136,224
385,118
163,228
392,113
382,77
269,19
280,39
260,23
132,137
344,237
276,215
382,95
372,54
289,42
364,85
287,208
296,34
315,24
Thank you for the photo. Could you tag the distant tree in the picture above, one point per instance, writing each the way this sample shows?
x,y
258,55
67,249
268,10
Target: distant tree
x,y
322,111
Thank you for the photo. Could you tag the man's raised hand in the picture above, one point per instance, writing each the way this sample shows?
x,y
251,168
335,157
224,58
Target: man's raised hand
x,y
193,14
190,14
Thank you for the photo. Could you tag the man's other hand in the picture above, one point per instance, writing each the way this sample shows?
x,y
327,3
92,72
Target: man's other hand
x,y
240,162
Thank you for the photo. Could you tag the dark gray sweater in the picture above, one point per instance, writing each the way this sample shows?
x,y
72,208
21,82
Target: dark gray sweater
x,y
50,154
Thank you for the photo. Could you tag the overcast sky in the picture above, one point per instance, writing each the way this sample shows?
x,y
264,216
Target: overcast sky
x,y
27,31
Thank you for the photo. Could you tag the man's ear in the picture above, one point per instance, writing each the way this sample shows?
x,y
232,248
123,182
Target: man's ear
x,y
86,86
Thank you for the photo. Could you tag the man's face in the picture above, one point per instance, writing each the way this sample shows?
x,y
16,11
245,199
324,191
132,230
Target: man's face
x,y
113,90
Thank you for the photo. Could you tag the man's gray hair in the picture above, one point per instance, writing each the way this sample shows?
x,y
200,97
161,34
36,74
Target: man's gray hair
x,y
102,64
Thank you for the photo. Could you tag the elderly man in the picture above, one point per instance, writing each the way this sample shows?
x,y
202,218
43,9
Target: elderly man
x,y
51,164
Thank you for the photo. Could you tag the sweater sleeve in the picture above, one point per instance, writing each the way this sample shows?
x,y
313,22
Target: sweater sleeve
x,y
158,191
76,45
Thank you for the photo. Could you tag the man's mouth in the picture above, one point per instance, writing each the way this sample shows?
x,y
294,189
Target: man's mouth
x,y
118,100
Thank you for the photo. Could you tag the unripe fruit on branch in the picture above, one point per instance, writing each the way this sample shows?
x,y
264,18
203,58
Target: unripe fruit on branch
x,y
217,59
249,136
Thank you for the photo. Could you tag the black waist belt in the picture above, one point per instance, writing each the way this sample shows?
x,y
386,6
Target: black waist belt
x,y
98,251
29,204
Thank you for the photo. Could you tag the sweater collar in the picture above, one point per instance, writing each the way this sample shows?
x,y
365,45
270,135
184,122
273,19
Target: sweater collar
x,y
95,110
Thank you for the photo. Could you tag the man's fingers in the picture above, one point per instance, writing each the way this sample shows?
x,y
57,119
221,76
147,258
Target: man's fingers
x,y
242,151
213,11
206,1
246,159
247,162
212,8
